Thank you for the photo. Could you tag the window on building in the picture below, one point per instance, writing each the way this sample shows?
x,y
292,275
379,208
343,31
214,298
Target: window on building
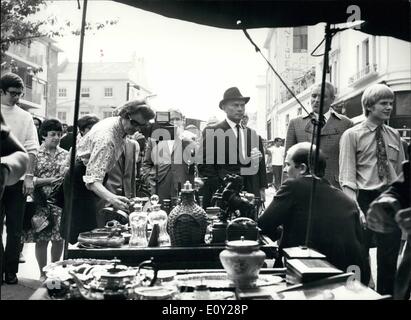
x,y
29,81
365,53
299,111
62,92
62,116
108,92
107,114
83,113
85,92
403,103
45,90
269,130
358,58
287,120
300,37
334,78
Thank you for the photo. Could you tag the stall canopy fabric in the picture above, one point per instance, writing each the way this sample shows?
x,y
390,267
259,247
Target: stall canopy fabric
x,y
386,18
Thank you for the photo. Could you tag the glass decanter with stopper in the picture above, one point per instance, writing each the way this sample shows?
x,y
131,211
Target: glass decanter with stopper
x,y
138,224
159,217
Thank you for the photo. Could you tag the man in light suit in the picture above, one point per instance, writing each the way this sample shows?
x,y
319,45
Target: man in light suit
x,y
230,148
165,162
301,130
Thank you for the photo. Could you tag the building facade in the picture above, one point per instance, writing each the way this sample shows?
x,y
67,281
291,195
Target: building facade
x,y
356,60
104,86
37,65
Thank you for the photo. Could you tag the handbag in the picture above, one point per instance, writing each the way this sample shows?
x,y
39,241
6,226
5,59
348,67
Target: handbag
x,y
39,223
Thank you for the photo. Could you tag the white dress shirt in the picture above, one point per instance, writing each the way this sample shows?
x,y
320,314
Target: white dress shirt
x,y
326,115
242,129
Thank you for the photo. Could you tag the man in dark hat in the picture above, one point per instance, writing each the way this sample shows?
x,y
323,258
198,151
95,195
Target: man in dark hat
x,y
230,148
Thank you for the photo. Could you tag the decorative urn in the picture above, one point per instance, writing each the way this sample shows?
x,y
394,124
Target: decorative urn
x,y
242,260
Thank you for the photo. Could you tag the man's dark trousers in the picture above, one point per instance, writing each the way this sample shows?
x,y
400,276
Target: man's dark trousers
x,y
388,246
278,172
12,206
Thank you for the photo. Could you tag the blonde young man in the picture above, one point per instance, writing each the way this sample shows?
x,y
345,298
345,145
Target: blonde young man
x,y
371,156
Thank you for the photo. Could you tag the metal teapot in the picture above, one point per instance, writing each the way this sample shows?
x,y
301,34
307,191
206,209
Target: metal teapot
x,y
117,282
242,227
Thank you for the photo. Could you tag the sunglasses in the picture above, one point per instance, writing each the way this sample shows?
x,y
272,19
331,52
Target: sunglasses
x,y
135,123
15,94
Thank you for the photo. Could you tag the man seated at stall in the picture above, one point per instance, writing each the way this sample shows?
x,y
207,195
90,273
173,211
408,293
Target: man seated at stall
x,y
335,224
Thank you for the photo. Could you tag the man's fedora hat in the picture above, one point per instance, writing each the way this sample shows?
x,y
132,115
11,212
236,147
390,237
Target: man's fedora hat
x,y
233,94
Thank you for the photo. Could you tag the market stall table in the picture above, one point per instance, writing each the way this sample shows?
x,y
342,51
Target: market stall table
x,y
331,288
201,257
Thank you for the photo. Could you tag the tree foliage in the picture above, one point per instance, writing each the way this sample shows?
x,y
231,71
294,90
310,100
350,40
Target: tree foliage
x,y
19,24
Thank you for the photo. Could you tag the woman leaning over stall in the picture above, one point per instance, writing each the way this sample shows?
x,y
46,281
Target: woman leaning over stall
x,y
97,153
49,169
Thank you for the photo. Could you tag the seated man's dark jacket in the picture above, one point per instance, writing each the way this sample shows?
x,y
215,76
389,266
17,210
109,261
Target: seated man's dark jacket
x,y
335,230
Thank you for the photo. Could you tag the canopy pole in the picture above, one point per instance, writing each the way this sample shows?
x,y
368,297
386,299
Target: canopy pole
x,y
73,149
314,169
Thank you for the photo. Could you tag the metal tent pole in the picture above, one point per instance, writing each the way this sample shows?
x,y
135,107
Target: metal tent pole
x,y
314,169
73,149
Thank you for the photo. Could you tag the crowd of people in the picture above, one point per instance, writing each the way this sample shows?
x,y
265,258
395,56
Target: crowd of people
x,y
359,167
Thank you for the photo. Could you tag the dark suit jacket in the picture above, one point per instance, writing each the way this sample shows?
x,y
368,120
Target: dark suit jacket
x,y
335,229
300,130
216,164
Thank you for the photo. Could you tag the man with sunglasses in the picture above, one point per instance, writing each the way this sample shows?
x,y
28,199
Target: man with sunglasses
x,y
97,154
13,203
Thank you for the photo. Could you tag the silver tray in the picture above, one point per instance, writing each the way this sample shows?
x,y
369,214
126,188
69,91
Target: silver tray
x,y
100,238
60,270
220,280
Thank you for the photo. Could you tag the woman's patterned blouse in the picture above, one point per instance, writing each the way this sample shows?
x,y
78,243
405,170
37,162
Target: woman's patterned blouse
x,y
50,165
100,148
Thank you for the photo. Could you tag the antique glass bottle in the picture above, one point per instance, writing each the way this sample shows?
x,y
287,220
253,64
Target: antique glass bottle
x,y
138,225
187,222
158,216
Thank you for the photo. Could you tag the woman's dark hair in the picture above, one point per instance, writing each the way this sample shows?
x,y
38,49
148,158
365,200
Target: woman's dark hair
x,y
87,121
50,125
11,80
39,120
